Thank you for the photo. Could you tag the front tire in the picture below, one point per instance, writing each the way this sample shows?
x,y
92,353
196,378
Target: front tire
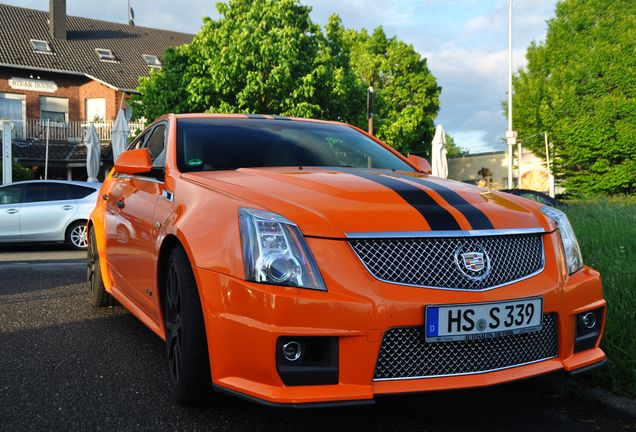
x,y
99,297
186,344
76,235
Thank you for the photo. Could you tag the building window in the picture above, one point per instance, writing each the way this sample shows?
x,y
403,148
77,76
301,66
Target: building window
x,y
53,109
41,46
152,60
12,107
105,54
95,110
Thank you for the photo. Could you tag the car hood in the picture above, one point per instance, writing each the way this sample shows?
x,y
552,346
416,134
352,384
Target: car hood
x,y
336,202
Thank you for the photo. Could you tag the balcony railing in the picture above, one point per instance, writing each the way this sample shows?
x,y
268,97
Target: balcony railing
x,y
72,131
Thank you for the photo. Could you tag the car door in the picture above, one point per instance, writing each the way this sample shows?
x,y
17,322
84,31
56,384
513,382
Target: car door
x,y
46,212
10,204
135,229
117,232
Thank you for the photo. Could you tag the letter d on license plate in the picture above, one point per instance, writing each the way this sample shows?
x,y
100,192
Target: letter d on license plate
x,y
482,320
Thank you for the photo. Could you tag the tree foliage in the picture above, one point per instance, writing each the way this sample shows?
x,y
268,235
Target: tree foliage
x,y
19,172
580,87
452,149
268,57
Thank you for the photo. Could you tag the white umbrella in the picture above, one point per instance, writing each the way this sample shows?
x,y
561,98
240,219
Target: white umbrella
x,y
439,164
93,150
119,135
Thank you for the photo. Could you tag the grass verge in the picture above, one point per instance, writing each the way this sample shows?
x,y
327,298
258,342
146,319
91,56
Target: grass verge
x,y
606,230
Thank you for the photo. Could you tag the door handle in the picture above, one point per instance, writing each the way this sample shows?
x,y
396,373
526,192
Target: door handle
x,y
67,207
105,197
12,211
120,204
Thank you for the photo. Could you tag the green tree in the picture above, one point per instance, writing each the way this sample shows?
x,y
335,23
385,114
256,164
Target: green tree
x,y
406,93
580,87
260,56
267,56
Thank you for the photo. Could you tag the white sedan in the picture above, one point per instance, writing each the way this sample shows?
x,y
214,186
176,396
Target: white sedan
x,y
46,211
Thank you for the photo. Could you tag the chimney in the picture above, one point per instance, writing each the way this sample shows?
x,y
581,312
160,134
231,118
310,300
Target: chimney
x,y
57,18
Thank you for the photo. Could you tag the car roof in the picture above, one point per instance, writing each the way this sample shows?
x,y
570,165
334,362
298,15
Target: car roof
x,y
248,117
94,185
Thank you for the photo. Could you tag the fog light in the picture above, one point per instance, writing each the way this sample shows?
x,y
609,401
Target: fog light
x,y
589,320
292,351
588,329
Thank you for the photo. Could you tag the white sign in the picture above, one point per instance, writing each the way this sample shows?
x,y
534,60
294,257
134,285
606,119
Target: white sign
x,y
32,85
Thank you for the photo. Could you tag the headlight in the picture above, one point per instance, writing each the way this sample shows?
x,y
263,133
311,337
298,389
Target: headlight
x,y
275,252
570,244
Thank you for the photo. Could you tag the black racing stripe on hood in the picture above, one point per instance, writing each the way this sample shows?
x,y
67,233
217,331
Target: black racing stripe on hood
x,y
477,219
437,217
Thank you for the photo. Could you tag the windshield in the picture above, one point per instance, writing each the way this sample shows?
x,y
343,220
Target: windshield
x,y
214,144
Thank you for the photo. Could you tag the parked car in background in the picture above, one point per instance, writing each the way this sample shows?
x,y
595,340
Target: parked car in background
x,y
46,211
302,262
537,196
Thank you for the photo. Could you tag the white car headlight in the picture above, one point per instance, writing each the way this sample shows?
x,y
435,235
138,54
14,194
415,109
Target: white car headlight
x,y
275,252
570,244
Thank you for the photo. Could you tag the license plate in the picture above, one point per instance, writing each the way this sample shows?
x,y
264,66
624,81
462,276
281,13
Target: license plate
x,y
482,320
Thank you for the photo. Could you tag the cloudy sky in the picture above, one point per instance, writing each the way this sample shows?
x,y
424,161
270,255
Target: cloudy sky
x,y
465,41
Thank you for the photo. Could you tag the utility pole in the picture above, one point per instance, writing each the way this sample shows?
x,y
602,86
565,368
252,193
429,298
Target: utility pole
x,y
370,97
547,161
46,153
511,135
7,158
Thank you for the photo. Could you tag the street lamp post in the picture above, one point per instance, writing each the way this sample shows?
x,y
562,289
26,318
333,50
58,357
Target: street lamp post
x,y
511,135
370,97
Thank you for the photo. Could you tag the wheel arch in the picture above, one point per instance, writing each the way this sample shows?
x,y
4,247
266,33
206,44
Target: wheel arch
x,y
74,221
167,245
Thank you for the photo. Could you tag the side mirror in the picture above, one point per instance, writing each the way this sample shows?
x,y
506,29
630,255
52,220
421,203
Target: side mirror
x,y
134,162
421,163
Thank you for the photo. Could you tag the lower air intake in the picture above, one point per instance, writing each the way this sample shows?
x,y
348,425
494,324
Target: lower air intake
x,y
404,353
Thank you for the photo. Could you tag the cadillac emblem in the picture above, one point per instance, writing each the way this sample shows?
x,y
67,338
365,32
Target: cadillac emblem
x,y
473,262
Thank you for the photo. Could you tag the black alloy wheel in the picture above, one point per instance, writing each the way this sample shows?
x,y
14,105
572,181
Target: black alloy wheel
x,y
99,297
186,343
173,323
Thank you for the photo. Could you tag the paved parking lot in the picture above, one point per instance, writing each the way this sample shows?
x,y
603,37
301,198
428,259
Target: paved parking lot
x,y
48,252
66,366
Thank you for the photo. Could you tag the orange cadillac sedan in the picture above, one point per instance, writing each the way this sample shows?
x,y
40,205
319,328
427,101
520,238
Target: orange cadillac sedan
x,y
305,263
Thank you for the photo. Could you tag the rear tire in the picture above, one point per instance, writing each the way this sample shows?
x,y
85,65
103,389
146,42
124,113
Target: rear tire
x,y
76,235
99,297
186,343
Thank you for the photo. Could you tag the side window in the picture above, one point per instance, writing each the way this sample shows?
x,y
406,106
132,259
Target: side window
x,y
37,192
156,144
11,194
137,142
79,192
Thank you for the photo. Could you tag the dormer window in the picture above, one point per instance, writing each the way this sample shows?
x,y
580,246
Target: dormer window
x,y
105,54
152,60
41,46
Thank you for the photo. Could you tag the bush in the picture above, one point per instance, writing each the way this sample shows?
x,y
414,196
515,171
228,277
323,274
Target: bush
x,y
19,172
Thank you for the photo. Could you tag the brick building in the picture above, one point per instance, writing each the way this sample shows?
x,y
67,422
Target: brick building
x,y
64,72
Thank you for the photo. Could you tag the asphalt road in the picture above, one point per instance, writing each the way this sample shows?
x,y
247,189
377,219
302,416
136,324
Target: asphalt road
x,y
67,366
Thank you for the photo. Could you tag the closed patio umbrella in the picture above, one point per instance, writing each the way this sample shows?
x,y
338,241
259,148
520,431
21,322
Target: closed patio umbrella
x,y
93,152
119,135
439,164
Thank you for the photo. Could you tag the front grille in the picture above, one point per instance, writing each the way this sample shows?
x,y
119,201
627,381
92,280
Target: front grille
x,y
404,353
435,262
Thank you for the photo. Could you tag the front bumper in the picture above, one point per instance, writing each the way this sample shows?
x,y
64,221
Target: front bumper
x,y
244,321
